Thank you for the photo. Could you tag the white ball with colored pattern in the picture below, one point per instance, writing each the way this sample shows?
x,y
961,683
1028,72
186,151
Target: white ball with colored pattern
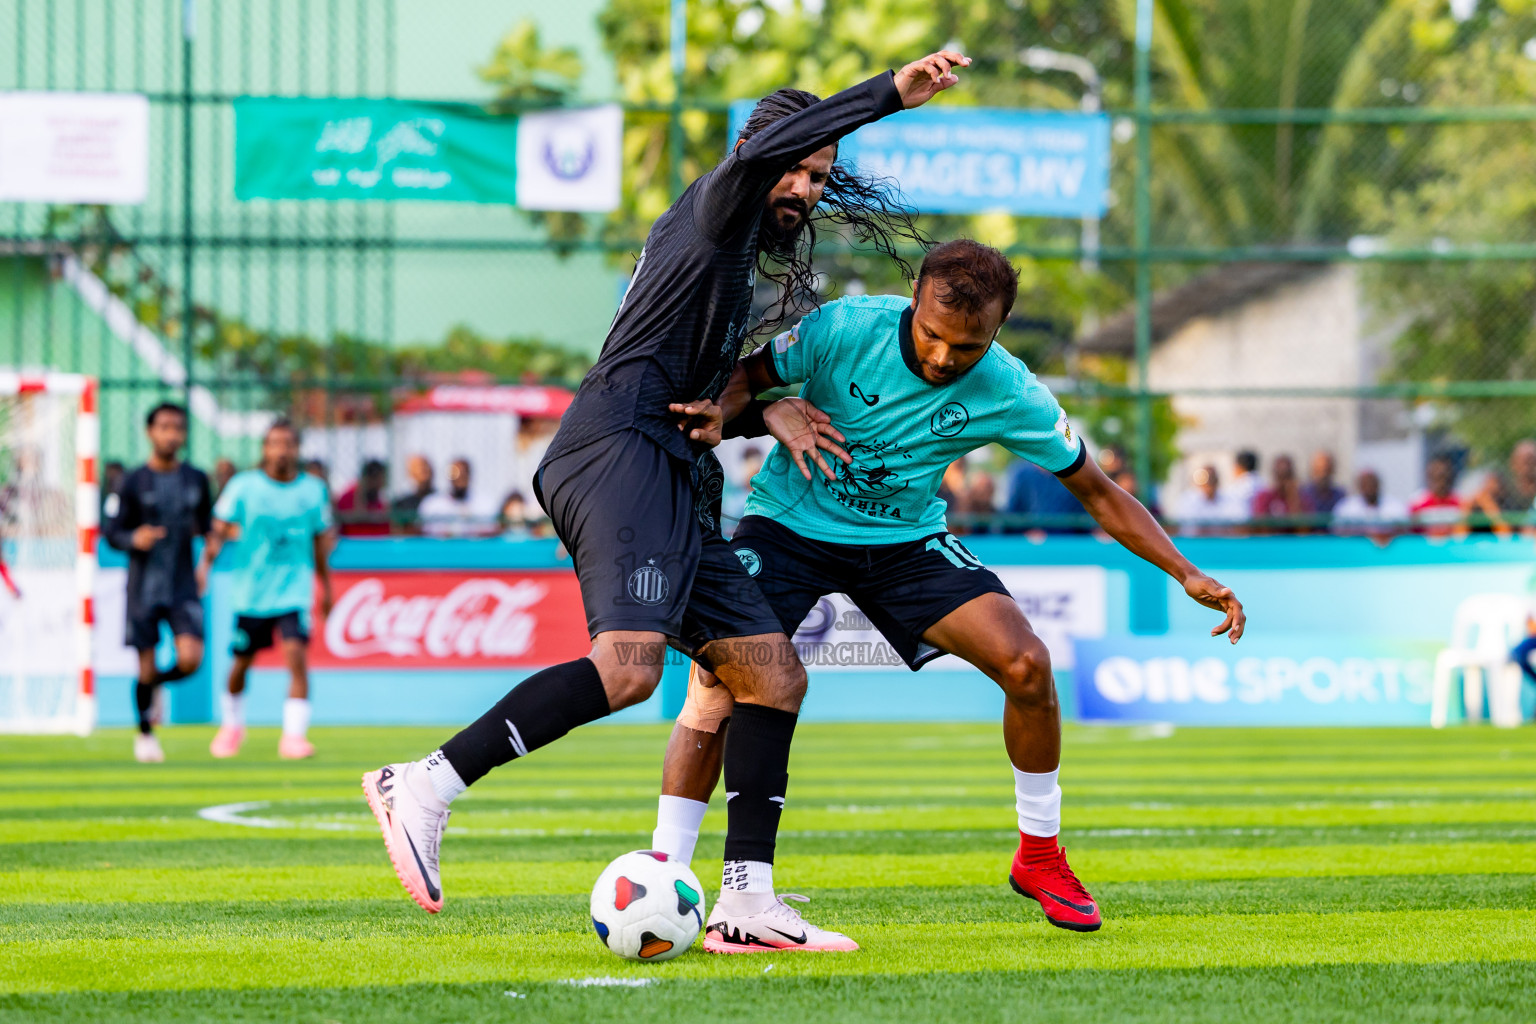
x,y
647,906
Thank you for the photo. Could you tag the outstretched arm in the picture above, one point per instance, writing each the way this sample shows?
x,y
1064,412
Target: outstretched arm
x,y
740,181
1127,520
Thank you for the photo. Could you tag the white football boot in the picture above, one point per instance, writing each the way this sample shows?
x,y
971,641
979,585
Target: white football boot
x,y
776,928
146,748
412,818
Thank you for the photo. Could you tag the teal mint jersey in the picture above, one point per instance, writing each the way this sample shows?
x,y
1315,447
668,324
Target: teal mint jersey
x,y
275,559
855,358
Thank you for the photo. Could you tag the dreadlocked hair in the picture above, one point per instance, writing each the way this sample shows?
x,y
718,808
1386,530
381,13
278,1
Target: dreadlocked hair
x,y
869,206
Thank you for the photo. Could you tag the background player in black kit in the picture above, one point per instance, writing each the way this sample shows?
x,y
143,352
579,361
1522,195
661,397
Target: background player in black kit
x,y
618,485
154,515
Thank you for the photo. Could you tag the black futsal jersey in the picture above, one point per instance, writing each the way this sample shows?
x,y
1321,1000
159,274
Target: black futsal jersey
x,y
679,331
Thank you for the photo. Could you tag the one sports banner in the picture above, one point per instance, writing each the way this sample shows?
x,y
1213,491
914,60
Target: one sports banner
x,y
446,152
1280,679
968,159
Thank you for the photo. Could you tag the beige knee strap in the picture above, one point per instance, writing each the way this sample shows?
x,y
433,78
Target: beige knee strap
x,y
705,707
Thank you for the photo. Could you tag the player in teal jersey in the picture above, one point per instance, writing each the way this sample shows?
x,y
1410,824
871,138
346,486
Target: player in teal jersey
x,y
908,387
283,520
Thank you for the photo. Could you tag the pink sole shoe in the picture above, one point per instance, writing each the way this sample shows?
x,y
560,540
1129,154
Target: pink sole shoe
x,y
295,748
378,787
226,742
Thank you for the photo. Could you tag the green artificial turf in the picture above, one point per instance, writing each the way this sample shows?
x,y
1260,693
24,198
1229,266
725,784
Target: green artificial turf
x,y
1275,875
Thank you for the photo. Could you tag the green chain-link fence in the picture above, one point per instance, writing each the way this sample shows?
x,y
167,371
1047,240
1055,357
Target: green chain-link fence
x,y
1320,234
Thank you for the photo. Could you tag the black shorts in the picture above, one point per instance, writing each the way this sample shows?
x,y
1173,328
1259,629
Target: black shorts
x,y
903,588
254,633
642,531
185,617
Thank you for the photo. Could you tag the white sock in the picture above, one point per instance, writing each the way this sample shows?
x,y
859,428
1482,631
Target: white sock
x,y
753,876
295,717
232,709
677,826
443,776
1038,798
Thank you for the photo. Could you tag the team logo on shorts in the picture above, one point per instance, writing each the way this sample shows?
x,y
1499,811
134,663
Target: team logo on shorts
x,y
950,420
750,561
648,584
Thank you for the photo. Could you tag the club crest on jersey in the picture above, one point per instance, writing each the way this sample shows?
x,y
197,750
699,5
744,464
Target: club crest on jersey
x,y
648,585
949,420
750,561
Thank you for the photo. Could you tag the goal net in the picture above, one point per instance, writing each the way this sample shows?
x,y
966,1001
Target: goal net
x,y
48,525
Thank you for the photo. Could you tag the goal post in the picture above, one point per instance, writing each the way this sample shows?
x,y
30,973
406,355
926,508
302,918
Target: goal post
x,y
49,509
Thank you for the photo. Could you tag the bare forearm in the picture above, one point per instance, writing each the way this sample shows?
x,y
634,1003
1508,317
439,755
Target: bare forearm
x,y
1128,522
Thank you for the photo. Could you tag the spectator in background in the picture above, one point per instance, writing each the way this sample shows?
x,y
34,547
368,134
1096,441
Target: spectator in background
x,y
1438,512
223,472
980,501
317,469
407,507
456,512
734,505
1283,498
1368,511
1245,481
361,507
1038,495
1321,491
952,487
1205,510
514,517
1507,497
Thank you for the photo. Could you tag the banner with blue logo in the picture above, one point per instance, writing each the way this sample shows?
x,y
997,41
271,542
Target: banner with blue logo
x,y
1295,679
967,159
300,148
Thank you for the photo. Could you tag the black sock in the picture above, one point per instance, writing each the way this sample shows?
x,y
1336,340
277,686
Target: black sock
x,y
756,776
143,699
535,713
174,674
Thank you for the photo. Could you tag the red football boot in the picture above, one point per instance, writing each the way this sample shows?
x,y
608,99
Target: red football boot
x,y
1041,872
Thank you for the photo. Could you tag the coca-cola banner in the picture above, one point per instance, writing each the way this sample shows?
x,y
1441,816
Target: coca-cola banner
x,y
449,620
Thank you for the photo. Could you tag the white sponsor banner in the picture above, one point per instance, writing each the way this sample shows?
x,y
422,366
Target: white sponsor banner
x,y
110,653
74,147
570,159
1062,603
38,630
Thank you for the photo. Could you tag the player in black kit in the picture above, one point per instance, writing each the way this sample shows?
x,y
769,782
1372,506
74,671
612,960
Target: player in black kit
x,y
154,515
619,483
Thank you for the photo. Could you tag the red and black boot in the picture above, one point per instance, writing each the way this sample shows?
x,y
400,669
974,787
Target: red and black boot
x,y
1040,871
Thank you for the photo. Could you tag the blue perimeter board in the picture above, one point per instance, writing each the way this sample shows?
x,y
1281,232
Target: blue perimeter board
x,y
1289,585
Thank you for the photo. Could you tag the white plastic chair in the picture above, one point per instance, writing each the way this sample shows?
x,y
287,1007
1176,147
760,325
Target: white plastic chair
x,y
1485,629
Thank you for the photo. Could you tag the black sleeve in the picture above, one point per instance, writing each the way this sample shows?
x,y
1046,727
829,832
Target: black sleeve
x,y
204,517
748,422
118,529
741,180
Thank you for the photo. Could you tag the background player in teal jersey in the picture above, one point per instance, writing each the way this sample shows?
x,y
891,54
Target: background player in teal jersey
x,y
909,386
283,520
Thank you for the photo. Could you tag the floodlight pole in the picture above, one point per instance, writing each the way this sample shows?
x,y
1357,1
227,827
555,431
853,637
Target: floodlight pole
x,y
1043,58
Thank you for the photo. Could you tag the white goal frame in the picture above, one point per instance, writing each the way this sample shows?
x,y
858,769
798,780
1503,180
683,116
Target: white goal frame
x,y
87,525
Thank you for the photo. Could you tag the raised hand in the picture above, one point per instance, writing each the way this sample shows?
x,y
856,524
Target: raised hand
x,y
805,430
924,79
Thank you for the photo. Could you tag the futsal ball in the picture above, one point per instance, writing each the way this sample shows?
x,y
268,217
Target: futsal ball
x,y
647,906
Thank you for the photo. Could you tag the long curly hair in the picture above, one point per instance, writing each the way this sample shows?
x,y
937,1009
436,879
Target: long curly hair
x,y
870,206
